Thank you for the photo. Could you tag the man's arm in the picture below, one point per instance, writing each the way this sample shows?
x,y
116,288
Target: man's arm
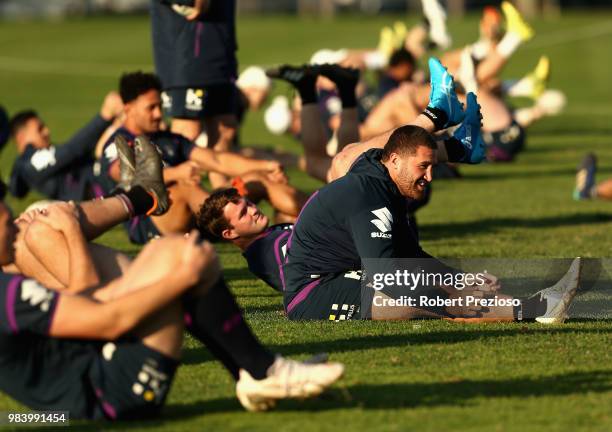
x,y
230,164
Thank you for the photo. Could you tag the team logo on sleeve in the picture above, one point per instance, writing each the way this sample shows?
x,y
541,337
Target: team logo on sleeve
x,y
35,294
43,158
194,99
383,222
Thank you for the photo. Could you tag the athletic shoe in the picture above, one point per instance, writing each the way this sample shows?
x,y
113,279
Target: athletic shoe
x,y
294,75
338,74
559,296
540,76
149,174
469,132
515,22
400,31
551,102
585,177
127,163
436,16
442,95
286,379
386,42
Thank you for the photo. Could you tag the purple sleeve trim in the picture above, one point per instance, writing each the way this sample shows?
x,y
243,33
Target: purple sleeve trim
x,y
11,297
279,260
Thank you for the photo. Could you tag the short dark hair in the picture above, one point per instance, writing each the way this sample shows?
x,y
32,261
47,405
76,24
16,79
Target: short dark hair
x,y
133,84
20,119
406,139
400,56
210,220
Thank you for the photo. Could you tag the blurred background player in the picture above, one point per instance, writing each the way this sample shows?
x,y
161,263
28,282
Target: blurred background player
x,y
586,186
195,57
63,172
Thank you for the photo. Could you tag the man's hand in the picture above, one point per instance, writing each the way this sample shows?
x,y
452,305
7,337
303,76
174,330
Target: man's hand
x,y
188,172
199,261
199,7
61,216
275,173
112,106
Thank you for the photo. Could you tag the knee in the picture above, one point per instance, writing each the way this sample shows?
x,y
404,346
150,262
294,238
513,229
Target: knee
x,y
35,234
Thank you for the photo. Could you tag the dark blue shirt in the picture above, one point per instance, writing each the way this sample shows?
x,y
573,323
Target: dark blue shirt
x,y
266,255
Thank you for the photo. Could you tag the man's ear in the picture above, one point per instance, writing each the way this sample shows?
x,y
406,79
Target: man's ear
x,y
229,234
395,161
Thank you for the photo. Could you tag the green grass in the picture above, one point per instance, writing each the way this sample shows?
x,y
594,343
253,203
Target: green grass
x,y
400,375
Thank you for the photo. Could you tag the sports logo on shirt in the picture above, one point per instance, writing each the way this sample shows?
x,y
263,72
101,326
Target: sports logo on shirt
x,y
35,294
43,158
383,222
194,99
166,101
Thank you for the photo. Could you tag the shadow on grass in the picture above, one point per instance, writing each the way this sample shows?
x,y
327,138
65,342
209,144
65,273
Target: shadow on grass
x,y
489,225
359,343
456,391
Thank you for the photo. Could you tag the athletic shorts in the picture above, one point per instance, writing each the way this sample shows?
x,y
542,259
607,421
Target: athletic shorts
x,y
130,380
333,298
197,103
141,229
504,144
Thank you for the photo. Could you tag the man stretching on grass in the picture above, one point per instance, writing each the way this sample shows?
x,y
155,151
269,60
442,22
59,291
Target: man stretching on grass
x,y
131,327
334,230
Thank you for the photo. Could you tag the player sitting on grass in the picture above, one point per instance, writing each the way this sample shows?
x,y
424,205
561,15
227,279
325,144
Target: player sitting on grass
x,y
185,163
61,172
119,342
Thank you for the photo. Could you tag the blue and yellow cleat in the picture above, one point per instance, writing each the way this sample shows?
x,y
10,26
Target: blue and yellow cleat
x,y
469,132
442,98
585,178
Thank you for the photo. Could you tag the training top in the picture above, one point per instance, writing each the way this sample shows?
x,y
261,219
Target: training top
x,y
266,255
35,369
64,172
360,215
175,149
194,53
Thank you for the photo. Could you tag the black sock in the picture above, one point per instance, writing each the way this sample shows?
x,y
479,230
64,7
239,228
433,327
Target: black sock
x,y
530,308
454,150
138,201
347,94
307,89
217,320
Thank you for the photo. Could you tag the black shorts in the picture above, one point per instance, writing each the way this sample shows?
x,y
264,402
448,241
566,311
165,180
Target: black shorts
x,y
504,144
131,380
333,298
197,103
141,229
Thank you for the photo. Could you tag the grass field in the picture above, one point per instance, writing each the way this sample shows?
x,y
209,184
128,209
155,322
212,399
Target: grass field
x,y
400,375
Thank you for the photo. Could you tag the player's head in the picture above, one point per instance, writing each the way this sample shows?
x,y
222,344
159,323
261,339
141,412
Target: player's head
x,y
225,215
27,128
141,95
401,65
410,155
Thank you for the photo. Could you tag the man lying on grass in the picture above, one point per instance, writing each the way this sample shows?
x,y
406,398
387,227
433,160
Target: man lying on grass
x,y
363,215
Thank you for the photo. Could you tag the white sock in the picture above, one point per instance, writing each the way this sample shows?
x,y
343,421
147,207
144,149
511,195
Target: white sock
x,y
509,44
520,88
480,49
374,60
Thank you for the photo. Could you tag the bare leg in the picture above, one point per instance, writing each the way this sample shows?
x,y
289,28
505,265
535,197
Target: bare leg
x,y
98,216
316,162
348,132
221,134
44,256
604,190
186,201
283,197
